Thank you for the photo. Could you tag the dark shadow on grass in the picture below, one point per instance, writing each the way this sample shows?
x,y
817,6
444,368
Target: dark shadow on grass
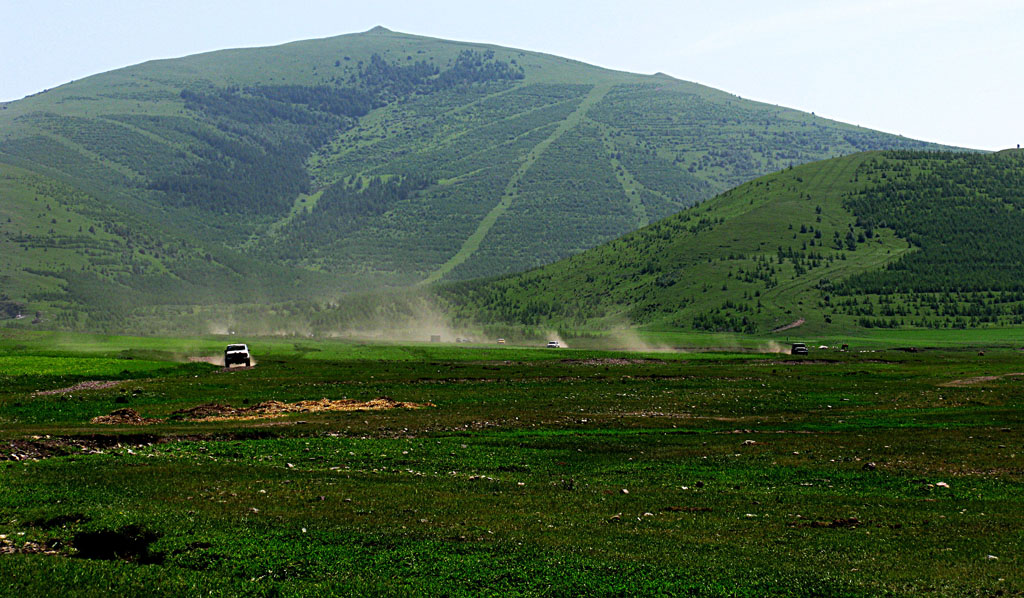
x,y
129,543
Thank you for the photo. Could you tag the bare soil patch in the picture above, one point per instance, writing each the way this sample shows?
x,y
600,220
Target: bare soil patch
x,y
590,361
87,385
848,522
794,362
611,361
37,447
980,379
668,414
791,325
677,509
271,409
9,546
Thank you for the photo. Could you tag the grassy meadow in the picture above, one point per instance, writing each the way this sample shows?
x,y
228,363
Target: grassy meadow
x,y
527,472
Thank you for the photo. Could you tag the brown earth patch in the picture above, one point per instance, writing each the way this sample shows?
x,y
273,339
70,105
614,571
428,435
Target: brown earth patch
x,y
125,416
656,414
794,362
835,523
610,361
271,409
87,385
39,447
589,361
979,380
8,546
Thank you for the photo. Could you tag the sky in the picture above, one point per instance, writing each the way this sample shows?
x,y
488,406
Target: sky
x,y
937,70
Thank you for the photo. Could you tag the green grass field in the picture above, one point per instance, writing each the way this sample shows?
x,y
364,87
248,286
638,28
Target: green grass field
x,y
534,472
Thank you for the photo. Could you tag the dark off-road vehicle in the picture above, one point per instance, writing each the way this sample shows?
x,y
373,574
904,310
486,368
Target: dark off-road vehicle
x,y
799,349
237,354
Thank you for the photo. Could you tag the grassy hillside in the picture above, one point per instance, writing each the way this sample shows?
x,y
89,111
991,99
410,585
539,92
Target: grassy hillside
x,y
873,240
358,161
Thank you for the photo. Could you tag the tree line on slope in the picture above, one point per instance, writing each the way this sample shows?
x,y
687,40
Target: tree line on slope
x,y
963,213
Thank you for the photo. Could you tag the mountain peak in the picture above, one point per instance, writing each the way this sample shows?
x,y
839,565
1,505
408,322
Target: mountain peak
x,y
379,29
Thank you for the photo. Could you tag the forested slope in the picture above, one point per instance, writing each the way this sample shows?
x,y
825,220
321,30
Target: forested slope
x,y
892,239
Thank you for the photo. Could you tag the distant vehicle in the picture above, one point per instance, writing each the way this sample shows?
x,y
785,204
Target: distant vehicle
x,y
501,341
238,353
553,345
799,349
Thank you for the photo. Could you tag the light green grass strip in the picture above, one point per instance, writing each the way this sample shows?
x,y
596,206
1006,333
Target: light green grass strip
x,y
629,183
471,244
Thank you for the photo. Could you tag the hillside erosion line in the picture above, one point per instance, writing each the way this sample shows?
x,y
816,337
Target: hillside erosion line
x,y
470,246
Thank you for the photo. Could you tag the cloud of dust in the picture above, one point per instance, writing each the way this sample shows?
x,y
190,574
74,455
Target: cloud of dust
x,y
416,321
217,360
218,328
772,347
627,339
553,335
214,360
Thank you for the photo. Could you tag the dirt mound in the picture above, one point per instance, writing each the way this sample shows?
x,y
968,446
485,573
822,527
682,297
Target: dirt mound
x,y
271,409
126,416
207,410
87,385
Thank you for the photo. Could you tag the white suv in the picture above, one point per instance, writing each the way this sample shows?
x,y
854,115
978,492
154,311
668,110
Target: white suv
x,y
553,345
237,354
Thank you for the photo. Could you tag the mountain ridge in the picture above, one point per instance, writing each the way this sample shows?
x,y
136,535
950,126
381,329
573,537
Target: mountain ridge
x,y
364,161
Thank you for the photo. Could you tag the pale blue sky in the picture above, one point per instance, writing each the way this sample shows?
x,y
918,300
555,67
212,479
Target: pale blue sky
x,y
940,70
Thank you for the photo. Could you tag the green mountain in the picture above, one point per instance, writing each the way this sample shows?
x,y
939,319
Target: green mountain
x,y
350,163
877,239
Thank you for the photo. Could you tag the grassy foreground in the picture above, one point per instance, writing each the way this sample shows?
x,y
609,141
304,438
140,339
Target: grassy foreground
x,y
533,472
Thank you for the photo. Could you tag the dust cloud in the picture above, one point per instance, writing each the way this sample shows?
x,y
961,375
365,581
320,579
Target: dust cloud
x,y
218,360
219,329
418,322
553,335
627,339
772,347
379,318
